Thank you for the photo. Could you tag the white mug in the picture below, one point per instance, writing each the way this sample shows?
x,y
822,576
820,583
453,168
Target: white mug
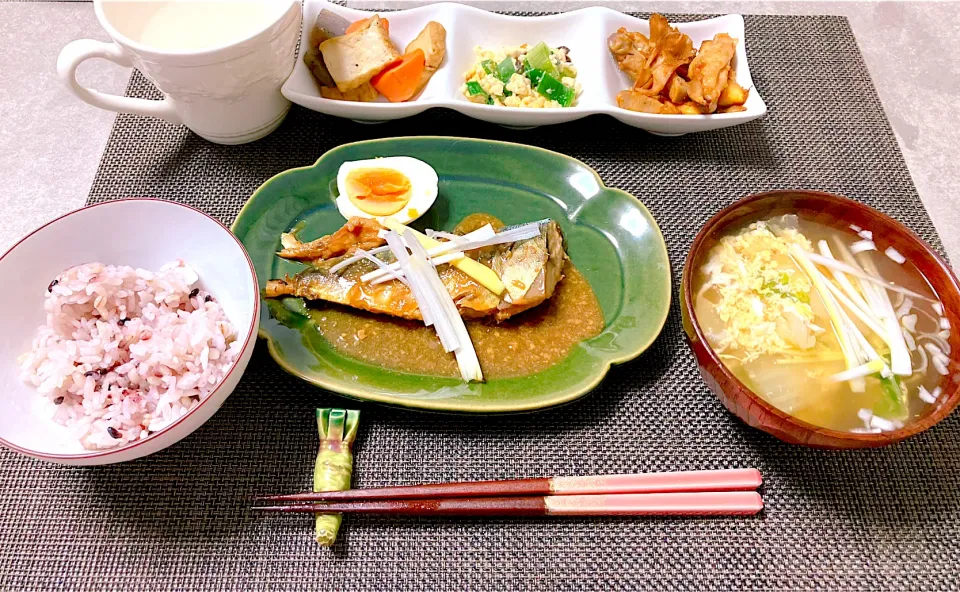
x,y
228,94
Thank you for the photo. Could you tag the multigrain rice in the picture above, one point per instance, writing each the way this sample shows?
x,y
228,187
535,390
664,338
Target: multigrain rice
x,y
125,352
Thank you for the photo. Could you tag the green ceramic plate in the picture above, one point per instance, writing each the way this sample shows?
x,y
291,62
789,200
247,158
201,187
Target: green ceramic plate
x,y
613,240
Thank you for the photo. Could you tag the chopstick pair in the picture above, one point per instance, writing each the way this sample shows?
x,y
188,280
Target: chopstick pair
x,y
693,493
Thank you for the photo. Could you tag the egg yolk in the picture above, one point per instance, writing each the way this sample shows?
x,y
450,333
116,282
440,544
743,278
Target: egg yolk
x,y
378,191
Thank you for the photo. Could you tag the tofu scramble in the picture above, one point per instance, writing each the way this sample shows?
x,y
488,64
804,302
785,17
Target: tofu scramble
x,y
540,77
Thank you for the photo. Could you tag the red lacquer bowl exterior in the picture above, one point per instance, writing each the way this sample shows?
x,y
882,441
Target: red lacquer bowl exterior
x,y
838,212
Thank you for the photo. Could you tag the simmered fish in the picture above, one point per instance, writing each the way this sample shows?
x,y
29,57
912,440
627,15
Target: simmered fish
x,y
530,270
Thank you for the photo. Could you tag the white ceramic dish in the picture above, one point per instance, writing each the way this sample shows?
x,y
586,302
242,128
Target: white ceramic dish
x,y
584,31
137,232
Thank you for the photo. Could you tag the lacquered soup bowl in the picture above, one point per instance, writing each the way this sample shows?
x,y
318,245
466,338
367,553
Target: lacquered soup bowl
x,y
838,212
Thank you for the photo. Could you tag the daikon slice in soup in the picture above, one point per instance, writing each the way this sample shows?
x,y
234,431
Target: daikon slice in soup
x,y
825,324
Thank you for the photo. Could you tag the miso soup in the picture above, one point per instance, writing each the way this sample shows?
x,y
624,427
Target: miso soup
x,y
827,325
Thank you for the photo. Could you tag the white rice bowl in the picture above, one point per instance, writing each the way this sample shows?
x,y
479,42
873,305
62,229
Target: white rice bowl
x,y
125,352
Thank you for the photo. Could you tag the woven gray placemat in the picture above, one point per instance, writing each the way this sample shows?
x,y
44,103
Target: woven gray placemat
x,y
861,520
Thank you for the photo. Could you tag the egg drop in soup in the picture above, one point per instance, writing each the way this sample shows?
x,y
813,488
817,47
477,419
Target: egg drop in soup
x,y
825,324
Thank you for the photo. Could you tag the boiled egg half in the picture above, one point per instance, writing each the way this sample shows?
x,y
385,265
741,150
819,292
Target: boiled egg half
x,y
397,187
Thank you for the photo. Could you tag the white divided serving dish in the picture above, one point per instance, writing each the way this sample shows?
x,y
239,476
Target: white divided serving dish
x,y
584,31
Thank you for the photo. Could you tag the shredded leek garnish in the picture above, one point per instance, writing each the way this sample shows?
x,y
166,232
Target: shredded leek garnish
x,y
871,367
483,275
465,353
483,237
436,306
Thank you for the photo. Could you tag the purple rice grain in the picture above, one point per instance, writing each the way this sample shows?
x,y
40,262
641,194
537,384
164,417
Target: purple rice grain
x,y
52,284
194,292
113,433
58,401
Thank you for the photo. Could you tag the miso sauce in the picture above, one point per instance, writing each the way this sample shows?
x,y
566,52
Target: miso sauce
x,y
526,344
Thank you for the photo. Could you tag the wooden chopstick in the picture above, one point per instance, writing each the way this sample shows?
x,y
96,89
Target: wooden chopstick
x,y
723,503
676,482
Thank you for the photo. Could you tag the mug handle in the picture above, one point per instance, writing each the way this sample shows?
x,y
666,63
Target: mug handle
x,y
76,52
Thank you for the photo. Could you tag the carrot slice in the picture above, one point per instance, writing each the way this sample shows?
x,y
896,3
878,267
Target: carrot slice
x,y
398,81
363,23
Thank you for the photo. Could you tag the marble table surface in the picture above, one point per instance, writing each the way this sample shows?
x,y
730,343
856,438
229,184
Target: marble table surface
x,y
50,142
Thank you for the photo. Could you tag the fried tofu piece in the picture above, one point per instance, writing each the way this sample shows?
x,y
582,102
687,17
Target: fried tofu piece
x,y
424,79
731,109
354,59
314,61
733,94
365,93
433,41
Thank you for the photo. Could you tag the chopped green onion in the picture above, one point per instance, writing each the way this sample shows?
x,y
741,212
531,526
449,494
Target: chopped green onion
x,y
488,66
894,406
539,58
489,100
507,93
474,88
534,75
552,88
506,69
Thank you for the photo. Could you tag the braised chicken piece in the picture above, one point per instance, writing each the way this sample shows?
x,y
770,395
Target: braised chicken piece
x,y
710,70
